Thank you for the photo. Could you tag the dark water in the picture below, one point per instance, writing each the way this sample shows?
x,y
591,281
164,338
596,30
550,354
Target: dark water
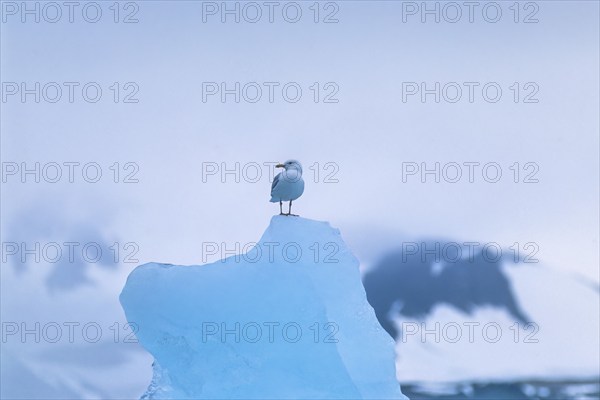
x,y
585,390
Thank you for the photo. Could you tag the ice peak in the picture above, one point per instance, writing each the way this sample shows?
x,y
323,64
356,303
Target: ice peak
x,y
289,319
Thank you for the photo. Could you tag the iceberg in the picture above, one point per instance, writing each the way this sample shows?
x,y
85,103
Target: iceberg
x,y
287,319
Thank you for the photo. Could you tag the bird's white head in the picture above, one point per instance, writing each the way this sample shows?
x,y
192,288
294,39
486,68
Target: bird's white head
x,y
291,164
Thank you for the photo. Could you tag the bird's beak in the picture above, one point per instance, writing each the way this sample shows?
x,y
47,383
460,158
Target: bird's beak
x,y
279,166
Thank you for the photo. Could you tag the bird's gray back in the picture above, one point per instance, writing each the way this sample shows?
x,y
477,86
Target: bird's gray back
x,y
275,182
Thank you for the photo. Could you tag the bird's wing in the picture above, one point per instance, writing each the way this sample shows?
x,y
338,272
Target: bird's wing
x,y
275,182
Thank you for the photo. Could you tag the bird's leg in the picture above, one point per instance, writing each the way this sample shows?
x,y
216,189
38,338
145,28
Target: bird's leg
x,y
290,210
280,207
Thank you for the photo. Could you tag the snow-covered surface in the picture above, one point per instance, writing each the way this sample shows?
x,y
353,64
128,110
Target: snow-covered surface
x,y
289,319
41,362
562,342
